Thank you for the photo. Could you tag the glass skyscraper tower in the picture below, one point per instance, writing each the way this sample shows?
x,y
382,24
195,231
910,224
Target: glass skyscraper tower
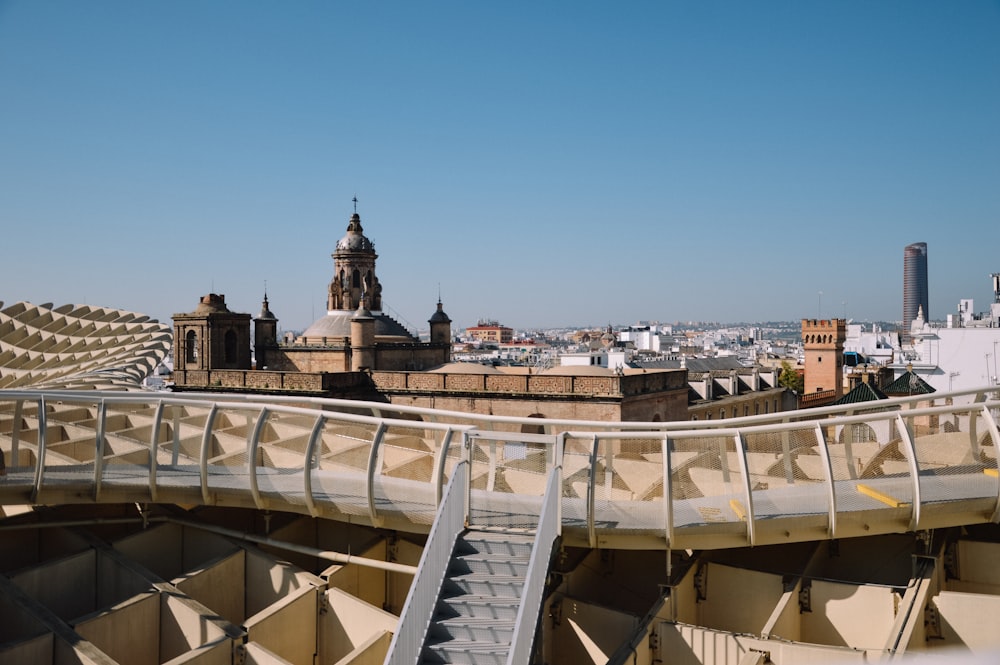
x,y
914,284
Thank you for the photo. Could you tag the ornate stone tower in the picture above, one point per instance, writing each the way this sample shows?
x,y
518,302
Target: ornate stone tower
x,y
823,342
265,334
211,337
354,283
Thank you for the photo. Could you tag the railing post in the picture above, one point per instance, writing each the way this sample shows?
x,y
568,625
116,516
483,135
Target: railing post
x,y
40,462
467,490
253,447
154,444
206,442
437,478
748,492
99,448
911,455
991,423
15,432
308,463
559,453
668,494
374,456
824,453
591,492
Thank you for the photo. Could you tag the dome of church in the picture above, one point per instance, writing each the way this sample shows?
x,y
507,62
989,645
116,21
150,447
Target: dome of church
x,y
355,240
338,324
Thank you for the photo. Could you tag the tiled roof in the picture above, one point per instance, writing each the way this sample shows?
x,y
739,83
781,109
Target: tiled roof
x,y
908,384
863,392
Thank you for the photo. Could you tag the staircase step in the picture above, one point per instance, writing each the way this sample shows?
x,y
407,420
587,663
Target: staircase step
x,y
495,586
513,548
466,653
477,606
490,565
471,629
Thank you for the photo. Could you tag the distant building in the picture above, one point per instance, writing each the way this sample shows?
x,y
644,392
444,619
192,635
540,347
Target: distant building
x,y
915,288
354,335
490,332
823,343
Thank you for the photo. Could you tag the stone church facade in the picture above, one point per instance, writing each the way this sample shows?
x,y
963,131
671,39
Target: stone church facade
x,y
357,351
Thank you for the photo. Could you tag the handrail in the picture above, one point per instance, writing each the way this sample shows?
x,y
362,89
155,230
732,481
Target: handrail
x,y
415,617
834,452
978,395
529,609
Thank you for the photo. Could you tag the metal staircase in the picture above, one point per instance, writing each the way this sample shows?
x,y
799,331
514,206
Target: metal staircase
x,y
477,595
477,607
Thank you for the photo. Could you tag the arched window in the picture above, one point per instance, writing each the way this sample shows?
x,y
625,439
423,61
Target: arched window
x,y
191,347
232,351
356,279
533,429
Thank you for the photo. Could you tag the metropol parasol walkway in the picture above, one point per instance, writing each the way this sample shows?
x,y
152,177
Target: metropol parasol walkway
x,y
75,430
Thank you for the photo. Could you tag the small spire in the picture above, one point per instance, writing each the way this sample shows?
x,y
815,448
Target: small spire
x,y
355,199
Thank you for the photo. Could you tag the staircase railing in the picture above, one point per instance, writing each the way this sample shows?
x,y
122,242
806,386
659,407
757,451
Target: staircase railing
x,y
549,530
415,619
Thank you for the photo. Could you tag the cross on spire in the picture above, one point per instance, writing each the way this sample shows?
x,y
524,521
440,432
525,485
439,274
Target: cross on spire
x,y
355,199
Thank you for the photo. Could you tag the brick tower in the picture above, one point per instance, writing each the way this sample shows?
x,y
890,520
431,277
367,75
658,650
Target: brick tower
x,y
823,342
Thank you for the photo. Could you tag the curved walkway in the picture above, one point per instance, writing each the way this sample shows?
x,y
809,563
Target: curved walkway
x,y
891,466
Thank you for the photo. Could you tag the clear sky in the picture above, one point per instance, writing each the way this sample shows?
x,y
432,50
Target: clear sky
x,y
539,163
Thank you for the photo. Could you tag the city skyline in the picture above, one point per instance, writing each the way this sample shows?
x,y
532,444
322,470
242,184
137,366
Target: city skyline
x,y
554,166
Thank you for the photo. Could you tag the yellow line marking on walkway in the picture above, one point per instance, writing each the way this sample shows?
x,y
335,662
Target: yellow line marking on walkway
x,y
879,496
738,508
992,472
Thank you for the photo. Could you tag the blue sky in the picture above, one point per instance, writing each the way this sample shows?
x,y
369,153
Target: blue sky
x,y
540,163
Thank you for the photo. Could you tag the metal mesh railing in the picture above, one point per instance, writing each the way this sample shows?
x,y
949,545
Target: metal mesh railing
x,y
917,464
508,473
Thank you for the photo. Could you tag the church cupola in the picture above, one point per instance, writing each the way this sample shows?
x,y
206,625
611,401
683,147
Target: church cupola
x,y
440,325
354,283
